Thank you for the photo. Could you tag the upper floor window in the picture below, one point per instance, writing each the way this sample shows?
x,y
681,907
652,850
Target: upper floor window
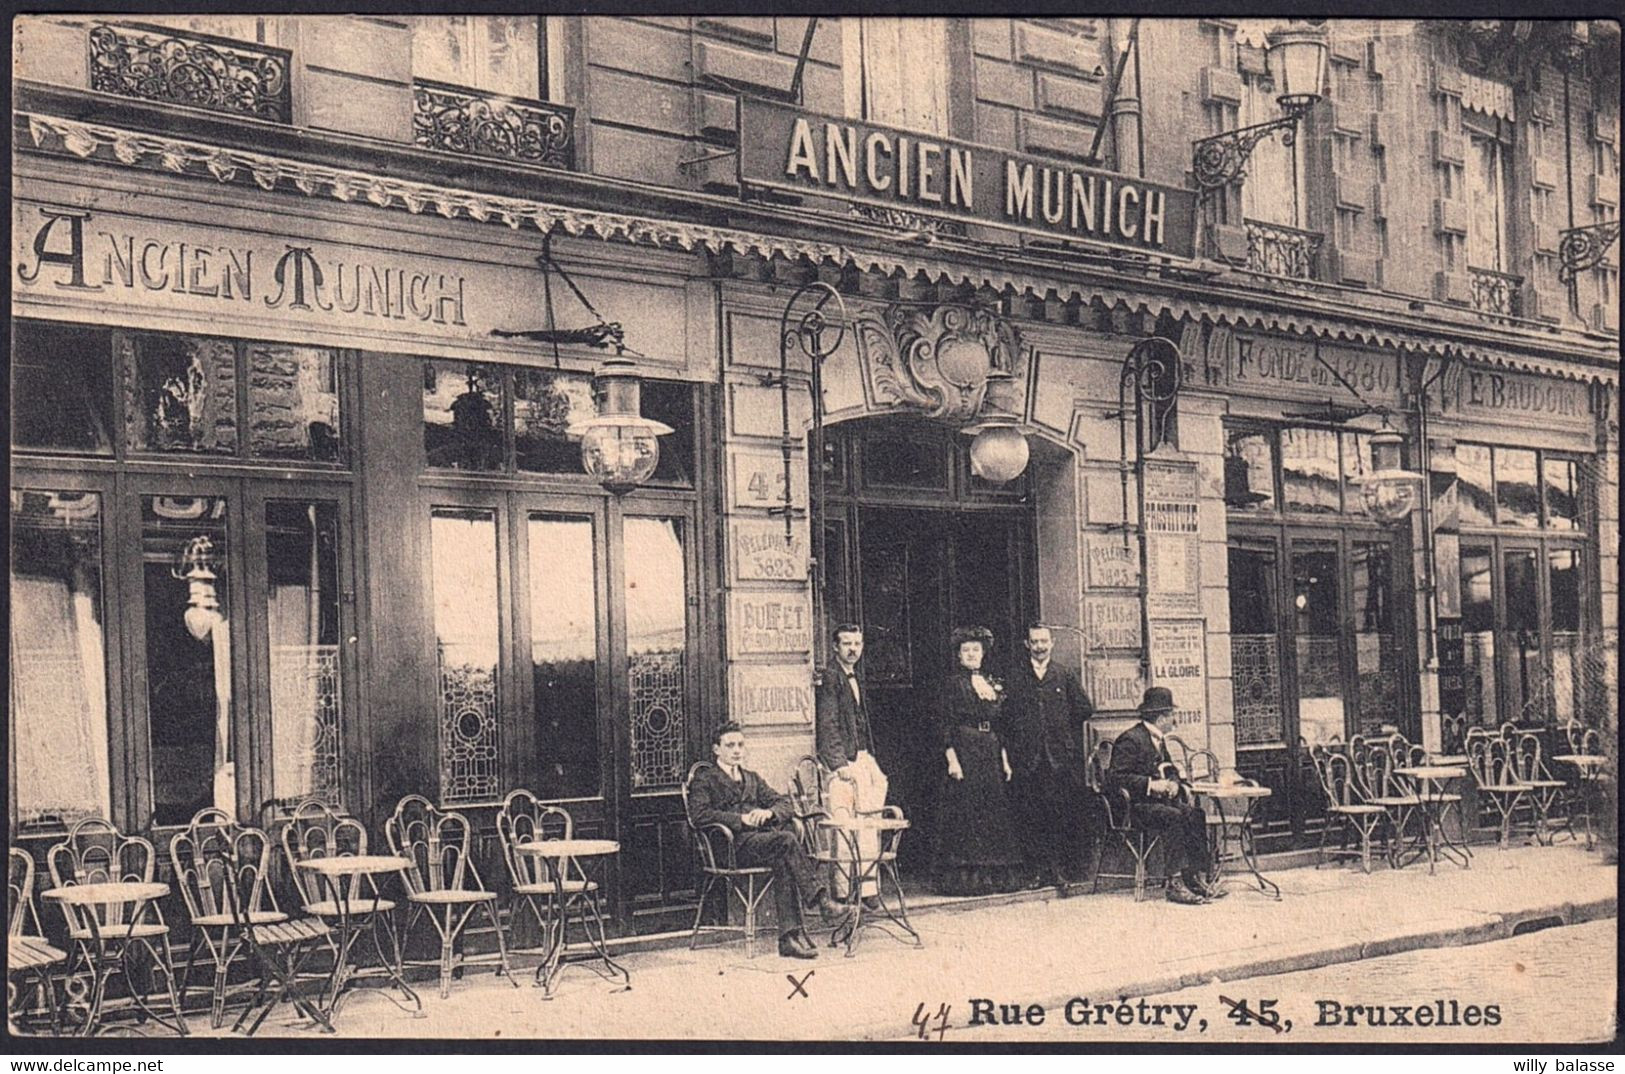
x,y
503,54
897,72
1486,181
1273,191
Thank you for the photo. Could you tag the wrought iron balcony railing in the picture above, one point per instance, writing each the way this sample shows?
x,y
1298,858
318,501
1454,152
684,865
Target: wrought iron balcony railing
x,y
461,120
157,63
1281,251
1494,292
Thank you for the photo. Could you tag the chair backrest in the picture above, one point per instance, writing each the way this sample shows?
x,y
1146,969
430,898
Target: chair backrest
x,y
1524,751
1489,759
20,912
1582,739
525,818
1114,801
95,852
436,842
1335,769
806,784
1195,765
1371,762
210,854
703,847
316,829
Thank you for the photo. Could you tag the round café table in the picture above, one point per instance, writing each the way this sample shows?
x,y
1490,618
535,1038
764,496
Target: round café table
x,y
1238,825
1589,767
350,882
881,835
557,855
106,925
1433,802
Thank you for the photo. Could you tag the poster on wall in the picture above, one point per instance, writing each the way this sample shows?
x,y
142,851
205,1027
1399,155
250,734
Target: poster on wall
x,y
1179,662
1173,551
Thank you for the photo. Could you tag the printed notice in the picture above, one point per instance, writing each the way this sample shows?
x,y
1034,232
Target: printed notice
x,y
1172,546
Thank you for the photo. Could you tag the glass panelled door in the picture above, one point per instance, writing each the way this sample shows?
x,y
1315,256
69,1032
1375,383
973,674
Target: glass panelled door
x,y
1522,668
59,659
303,700
1264,721
1317,641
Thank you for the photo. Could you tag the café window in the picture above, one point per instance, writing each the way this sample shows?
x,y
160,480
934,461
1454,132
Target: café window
x,y
897,72
1525,598
502,54
179,395
1317,469
514,419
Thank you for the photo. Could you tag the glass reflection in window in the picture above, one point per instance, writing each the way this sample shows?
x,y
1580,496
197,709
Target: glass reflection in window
x,y
1474,491
62,387
180,393
1561,478
546,403
1249,470
656,651
467,649
564,655
293,403
463,416
302,619
672,402
907,462
185,576
1309,470
1517,495
1568,672
1523,635
1478,635
58,726
496,53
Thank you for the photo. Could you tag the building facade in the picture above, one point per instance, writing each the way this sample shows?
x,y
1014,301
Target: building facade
x,y
297,508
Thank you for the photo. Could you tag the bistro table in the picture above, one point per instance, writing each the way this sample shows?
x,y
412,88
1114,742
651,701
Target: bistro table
x,y
1589,766
884,835
1240,826
1433,802
107,923
351,883
557,854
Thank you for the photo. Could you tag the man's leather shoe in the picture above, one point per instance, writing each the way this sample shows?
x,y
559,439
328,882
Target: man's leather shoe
x,y
1179,893
831,911
792,946
1210,889
871,902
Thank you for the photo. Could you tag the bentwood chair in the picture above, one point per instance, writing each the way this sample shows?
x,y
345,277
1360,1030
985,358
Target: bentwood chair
x,y
315,830
106,935
525,818
443,881
1118,812
718,858
278,944
809,788
206,855
1495,775
1373,762
27,953
1545,793
1344,806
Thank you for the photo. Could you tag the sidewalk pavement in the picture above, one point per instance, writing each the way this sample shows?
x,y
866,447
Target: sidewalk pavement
x,y
1046,951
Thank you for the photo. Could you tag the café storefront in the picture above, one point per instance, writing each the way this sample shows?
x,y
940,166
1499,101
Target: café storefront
x,y
289,519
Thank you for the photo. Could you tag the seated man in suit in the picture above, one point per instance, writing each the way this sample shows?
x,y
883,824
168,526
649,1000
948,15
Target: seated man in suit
x,y
759,817
1161,802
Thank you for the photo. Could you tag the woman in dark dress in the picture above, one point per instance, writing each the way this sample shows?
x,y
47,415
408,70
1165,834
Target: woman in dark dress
x,y
977,850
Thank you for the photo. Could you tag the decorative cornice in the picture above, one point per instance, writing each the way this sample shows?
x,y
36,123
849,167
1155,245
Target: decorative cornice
x,y
1217,301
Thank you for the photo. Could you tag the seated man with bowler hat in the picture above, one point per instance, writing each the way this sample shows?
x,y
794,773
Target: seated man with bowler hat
x,y
1142,767
733,796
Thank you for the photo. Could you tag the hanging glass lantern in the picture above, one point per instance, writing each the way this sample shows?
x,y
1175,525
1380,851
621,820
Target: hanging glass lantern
x,y
999,453
1390,491
202,604
619,446
1296,55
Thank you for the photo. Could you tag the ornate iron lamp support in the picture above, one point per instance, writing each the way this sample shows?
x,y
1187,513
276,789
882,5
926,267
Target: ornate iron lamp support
x,y
1152,370
1582,248
817,336
1221,159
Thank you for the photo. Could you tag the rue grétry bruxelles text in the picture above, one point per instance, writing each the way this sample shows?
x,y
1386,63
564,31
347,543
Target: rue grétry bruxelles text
x,y
1186,1017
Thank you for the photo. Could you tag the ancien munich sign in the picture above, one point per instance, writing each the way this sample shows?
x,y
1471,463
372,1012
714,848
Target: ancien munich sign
x,y
783,148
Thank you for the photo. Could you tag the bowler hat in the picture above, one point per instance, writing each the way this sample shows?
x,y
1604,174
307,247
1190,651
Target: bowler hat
x,y
1157,699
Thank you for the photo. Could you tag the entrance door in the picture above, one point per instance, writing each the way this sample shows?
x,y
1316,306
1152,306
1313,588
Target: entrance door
x,y
921,573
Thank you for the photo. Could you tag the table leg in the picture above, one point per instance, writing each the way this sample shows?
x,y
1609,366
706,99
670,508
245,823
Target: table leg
x,y
1249,855
554,963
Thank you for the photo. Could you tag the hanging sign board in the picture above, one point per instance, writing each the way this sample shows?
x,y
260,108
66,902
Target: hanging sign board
x,y
786,149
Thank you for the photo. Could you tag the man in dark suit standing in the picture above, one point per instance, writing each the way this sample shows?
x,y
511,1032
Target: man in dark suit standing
x,y
733,796
846,745
1048,711
1160,802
